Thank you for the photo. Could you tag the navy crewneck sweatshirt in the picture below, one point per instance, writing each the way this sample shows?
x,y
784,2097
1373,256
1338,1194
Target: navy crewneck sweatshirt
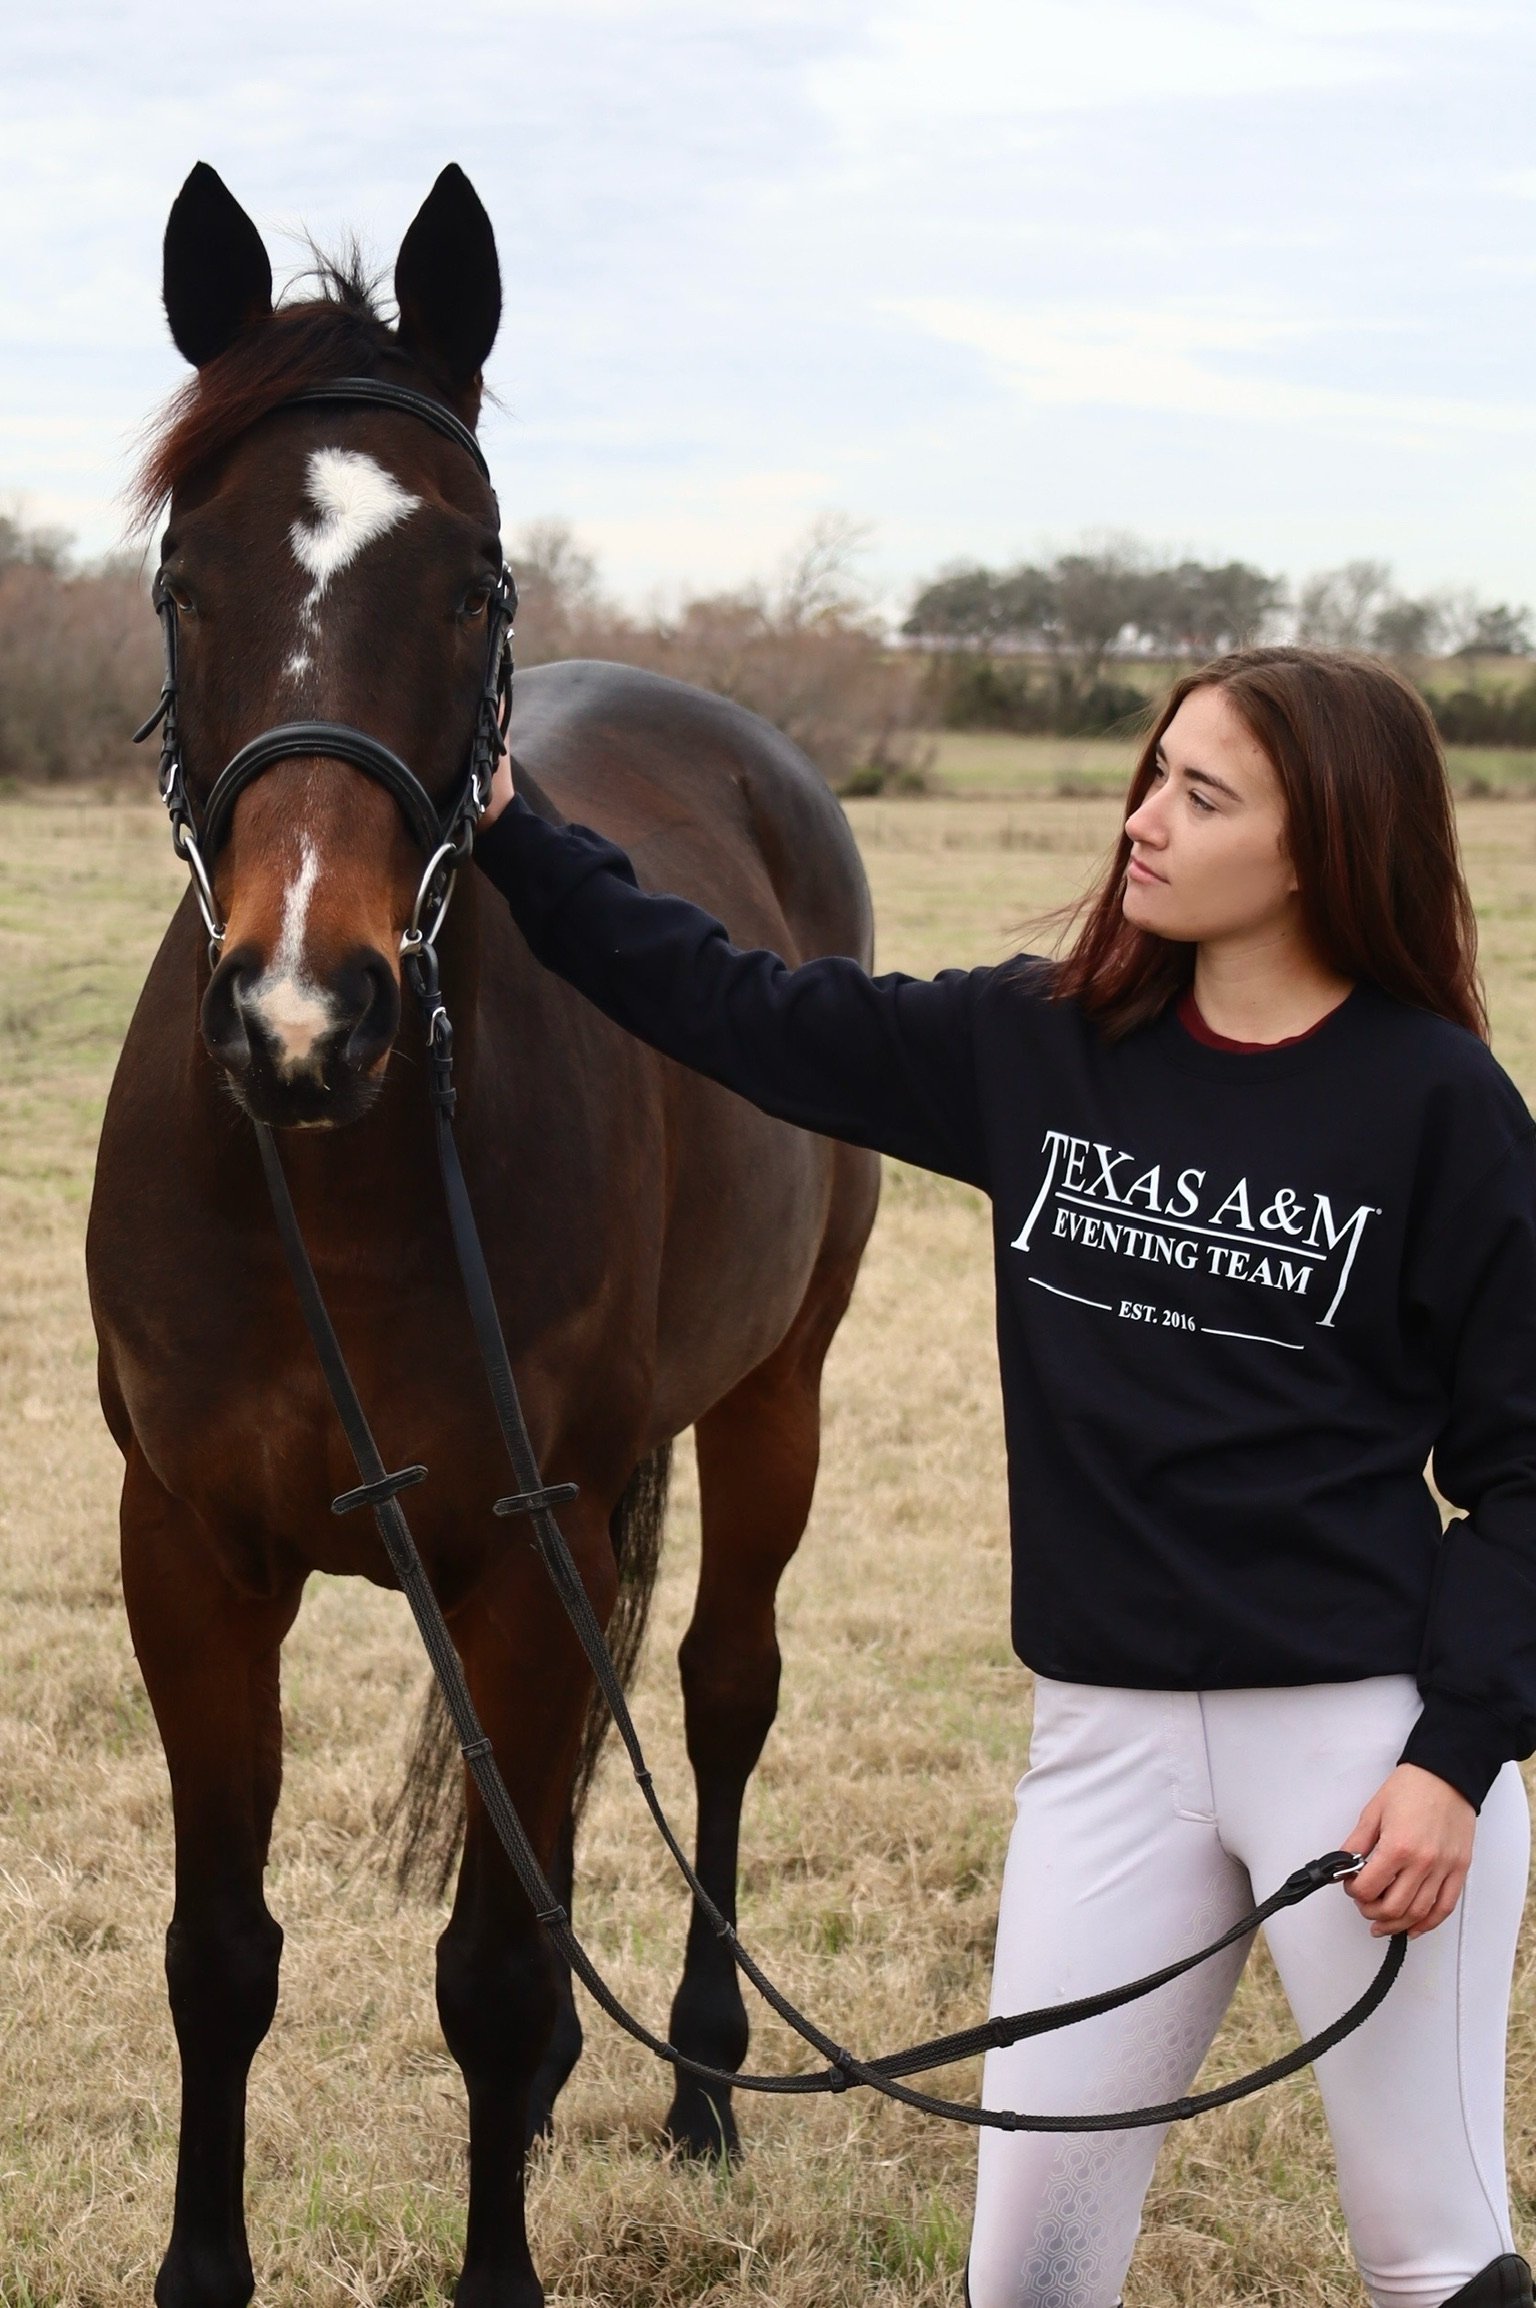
x,y
1241,1298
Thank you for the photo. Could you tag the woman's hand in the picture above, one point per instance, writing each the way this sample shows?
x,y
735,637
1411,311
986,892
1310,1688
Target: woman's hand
x,y
501,792
1417,1832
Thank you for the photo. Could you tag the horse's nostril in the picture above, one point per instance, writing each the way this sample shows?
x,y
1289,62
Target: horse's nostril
x,y
223,1020
373,997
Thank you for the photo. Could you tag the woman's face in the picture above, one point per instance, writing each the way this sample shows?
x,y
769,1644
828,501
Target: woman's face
x,y
1208,857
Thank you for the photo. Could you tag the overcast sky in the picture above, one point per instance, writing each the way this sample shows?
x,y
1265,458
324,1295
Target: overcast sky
x,y
1251,277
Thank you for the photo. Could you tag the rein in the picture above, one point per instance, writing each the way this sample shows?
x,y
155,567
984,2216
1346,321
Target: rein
x,y
449,837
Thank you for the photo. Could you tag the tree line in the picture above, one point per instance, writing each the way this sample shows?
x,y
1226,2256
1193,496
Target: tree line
x,y
1073,644
1067,644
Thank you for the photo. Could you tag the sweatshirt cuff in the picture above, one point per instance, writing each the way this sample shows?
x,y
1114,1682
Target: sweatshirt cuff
x,y
1461,1743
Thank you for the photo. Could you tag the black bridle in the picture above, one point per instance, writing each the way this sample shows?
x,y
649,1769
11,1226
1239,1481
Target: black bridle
x,y
445,836
449,837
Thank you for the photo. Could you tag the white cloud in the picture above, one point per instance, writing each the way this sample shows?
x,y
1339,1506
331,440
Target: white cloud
x,y
1010,59
763,255
1170,360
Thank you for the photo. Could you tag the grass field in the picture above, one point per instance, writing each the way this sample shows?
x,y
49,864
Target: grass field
x,y
874,1832
984,763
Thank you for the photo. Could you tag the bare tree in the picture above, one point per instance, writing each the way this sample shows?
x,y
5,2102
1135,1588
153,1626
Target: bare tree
x,y
1408,629
560,607
805,651
1338,608
1498,631
1359,607
818,579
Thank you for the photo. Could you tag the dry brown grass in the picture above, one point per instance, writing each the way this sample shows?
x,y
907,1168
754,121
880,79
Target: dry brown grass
x,y
875,1829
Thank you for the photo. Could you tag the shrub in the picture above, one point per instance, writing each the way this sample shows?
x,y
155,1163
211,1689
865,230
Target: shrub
x,y
1004,693
1486,716
79,668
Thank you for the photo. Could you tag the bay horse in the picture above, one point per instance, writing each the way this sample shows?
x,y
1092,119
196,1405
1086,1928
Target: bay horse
x,y
663,1255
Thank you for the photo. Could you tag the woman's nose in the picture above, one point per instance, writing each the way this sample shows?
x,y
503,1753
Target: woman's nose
x,y
1145,823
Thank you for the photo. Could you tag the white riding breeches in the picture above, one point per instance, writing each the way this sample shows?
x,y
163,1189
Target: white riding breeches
x,y
1150,1821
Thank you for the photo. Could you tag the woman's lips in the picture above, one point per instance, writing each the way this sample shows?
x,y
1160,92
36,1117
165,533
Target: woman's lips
x,y
1137,872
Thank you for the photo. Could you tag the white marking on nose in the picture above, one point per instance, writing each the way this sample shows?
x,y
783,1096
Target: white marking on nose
x,y
357,501
295,1013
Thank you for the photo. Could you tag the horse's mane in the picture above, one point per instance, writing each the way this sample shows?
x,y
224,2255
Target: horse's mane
x,y
305,341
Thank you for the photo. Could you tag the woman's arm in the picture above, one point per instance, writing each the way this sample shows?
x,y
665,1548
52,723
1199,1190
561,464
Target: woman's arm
x,y
884,1062
1473,1288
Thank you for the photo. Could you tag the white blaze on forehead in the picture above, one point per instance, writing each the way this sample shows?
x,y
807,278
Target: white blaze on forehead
x,y
291,1009
356,501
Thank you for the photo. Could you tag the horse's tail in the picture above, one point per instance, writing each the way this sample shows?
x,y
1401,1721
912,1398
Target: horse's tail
x,y
637,1526
421,1828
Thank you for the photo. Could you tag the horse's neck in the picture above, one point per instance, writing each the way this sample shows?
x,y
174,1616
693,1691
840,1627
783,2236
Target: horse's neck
x,y
528,786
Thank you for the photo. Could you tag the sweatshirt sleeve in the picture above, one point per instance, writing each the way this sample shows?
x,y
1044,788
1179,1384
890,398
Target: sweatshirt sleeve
x,y
1476,1289
884,1062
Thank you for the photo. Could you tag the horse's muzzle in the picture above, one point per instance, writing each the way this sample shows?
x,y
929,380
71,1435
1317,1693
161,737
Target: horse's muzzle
x,y
300,1052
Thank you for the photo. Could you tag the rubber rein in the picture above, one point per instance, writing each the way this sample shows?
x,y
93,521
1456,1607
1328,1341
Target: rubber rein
x,y
447,838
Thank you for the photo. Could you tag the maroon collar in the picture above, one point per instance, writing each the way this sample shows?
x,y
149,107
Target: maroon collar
x,y
1188,1014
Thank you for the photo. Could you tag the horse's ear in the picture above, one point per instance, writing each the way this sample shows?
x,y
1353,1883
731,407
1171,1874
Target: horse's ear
x,y
448,282
217,275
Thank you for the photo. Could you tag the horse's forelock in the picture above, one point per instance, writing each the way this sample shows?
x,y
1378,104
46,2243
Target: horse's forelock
x,y
337,334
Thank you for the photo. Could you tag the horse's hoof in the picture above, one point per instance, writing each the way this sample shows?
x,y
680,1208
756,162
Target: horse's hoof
x,y
702,2129
484,2288
198,2278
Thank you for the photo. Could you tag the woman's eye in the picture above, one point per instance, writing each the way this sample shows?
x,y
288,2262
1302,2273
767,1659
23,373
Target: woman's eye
x,y
1207,808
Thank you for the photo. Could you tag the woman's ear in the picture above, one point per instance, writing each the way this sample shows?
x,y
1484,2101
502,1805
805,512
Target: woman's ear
x,y
448,282
217,277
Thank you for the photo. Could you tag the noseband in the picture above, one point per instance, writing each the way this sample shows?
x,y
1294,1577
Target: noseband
x,y
446,835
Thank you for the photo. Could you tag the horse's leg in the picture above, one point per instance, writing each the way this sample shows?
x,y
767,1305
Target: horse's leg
x,y
209,1657
564,2048
496,1980
758,1451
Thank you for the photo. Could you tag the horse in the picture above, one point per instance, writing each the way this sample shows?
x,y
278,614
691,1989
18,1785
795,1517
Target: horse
x,y
663,1255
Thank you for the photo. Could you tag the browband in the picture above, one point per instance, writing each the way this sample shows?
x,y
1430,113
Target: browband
x,y
376,393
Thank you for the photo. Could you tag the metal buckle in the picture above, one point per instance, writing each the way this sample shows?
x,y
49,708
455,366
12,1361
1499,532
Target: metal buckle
x,y
184,843
413,937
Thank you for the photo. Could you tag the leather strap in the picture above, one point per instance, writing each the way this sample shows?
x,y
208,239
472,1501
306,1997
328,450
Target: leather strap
x,y
373,392
338,741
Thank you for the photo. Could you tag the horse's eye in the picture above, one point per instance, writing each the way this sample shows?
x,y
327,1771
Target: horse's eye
x,y
180,594
474,603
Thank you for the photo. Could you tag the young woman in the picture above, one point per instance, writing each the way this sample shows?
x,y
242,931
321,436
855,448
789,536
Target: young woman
x,y
1265,1230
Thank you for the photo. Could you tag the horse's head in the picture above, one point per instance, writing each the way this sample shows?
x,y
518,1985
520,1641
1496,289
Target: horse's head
x,y
326,562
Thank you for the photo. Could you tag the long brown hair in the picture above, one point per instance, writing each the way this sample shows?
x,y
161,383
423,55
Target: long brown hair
x,y
1370,829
